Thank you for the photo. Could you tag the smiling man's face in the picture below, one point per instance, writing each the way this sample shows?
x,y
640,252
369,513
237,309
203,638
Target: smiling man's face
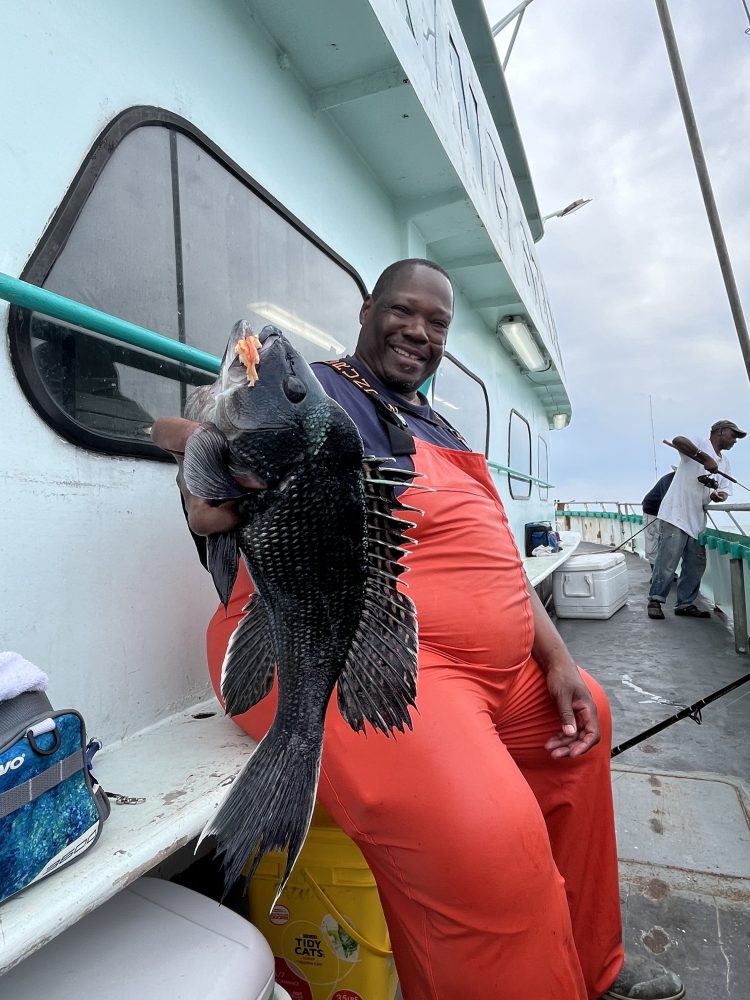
x,y
403,333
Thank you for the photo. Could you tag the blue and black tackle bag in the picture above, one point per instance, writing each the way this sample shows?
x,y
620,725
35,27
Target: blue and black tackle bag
x,y
51,809
541,533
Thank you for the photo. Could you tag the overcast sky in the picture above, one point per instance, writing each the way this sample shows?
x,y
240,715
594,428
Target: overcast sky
x,y
633,279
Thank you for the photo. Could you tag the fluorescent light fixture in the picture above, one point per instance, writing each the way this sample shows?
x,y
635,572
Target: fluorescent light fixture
x,y
521,341
559,421
290,323
445,403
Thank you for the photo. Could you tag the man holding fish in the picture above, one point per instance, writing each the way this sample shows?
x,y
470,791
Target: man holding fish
x,y
489,826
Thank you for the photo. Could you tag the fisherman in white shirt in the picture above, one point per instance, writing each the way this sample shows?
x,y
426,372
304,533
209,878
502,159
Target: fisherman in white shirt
x,y
683,516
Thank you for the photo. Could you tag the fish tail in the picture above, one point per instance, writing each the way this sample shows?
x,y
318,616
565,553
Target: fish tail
x,y
269,807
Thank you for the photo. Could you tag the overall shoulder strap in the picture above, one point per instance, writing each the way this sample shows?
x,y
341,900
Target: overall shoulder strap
x,y
400,437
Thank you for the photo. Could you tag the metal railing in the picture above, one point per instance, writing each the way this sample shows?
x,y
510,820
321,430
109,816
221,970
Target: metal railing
x,y
21,293
727,581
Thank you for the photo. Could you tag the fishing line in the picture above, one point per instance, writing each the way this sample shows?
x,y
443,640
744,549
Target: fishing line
x,y
689,712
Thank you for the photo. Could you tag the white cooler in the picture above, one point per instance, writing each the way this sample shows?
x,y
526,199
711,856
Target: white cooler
x,y
153,940
590,586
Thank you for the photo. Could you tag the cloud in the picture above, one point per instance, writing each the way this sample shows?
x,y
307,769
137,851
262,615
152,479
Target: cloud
x,y
633,278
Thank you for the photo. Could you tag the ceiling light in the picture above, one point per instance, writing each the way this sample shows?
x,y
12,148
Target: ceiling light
x,y
290,323
520,339
559,421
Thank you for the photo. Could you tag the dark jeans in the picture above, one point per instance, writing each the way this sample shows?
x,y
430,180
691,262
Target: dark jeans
x,y
675,544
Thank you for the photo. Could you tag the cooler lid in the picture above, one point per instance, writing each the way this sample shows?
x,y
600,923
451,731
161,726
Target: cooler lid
x,y
590,561
154,939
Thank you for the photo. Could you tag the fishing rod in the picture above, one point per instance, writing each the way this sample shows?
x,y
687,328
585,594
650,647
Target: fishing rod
x,y
708,480
690,711
629,539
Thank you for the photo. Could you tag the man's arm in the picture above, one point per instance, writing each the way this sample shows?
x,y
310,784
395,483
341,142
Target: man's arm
x,y
686,447
171,434
580,723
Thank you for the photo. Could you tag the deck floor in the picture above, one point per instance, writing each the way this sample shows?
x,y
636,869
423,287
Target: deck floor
x,y
681,797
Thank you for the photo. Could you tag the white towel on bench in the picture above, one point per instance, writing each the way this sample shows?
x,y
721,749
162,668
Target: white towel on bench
x,y
18,675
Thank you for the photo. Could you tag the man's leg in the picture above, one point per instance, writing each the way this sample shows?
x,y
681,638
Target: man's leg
x,y
575,796
651,536
693,568
672,541
459,848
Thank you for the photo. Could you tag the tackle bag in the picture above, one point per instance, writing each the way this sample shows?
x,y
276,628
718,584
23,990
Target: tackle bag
x,y
51,809
540,533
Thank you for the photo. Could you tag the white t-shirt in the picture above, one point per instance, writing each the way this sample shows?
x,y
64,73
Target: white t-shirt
x,y
684,500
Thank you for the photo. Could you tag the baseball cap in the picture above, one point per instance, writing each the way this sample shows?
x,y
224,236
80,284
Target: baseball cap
x,y
730,425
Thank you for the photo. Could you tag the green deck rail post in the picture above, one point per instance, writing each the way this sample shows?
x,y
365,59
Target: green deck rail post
x,y
739,605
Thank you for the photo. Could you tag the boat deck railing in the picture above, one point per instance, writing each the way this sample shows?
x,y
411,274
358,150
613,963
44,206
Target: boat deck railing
x,y
726,583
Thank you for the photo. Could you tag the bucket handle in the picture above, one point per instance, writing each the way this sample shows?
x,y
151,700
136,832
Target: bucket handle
x,y
384,952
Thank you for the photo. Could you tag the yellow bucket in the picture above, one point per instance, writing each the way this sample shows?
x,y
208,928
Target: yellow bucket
x,y
327,931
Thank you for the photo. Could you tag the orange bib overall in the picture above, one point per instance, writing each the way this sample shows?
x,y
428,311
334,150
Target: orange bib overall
x,y
496,864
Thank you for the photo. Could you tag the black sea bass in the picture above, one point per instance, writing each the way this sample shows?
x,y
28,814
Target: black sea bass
x,y
322,548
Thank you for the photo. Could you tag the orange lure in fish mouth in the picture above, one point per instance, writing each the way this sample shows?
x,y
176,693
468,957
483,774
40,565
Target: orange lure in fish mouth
x,y
248,351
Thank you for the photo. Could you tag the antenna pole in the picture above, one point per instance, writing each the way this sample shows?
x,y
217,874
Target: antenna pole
x,y
705,183
653,438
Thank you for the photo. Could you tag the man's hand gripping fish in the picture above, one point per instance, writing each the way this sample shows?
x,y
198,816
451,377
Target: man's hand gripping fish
x,y
322,546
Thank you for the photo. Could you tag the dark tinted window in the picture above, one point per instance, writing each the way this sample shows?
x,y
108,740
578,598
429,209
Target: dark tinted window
x,y
460,397
171,237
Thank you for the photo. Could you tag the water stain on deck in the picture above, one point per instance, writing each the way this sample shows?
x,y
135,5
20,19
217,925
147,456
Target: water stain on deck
x,y
656,940
656,889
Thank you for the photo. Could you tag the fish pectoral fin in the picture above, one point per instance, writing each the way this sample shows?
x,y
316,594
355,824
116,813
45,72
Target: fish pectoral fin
x,y
223,559
205,467
250,662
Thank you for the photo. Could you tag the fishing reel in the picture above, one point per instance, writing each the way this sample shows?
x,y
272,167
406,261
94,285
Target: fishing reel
x,y
709,481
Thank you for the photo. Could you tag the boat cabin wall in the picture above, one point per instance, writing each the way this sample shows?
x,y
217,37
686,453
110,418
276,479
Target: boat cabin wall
x,y
100,583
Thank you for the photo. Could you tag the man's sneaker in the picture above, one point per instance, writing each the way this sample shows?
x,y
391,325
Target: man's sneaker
x,y
691,612
645,979
654,610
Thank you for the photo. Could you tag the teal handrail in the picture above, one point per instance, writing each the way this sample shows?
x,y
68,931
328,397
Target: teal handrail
x,y
518,475
726,543
21,293
612,515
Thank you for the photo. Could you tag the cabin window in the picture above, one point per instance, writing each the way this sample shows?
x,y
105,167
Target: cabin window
x,y
162,230
473,123
542,474
403,6
519,456
498,183
460,396
458,89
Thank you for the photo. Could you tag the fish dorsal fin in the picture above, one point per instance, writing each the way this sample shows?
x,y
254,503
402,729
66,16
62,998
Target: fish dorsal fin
x,y
248,669
378,682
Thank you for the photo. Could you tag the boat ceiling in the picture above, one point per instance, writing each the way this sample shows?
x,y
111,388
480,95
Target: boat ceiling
x,y
343,46
343,58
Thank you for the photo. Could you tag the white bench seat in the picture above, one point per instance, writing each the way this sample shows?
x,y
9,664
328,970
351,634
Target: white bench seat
x,y
538,568
180,768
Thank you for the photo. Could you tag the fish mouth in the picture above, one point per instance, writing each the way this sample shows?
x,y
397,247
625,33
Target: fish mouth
x,y
272,340
269,336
